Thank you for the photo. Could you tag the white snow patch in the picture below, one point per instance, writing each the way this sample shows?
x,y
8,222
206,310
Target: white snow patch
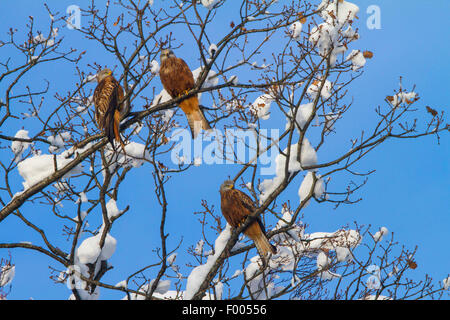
x,y
199,247
212,49
136,155
380,234
403,97
37,168
308,157
329,241
90,78
219,290
233,79
122,284
304,112
261,106
19,147
209,4
307,186
338,11
33,59
7,273
171,259
446,283
162,97
162,287
111,208
58,141
260,286
313,89
199,273
357,58
83,197
211,79
330,36
375,297
322,261
154,67
89,250
296,30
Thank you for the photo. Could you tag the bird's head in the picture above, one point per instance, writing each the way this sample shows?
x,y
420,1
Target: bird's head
x,y
103,74
227,185
166,53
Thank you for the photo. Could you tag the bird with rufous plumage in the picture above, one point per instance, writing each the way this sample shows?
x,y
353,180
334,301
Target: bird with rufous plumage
x,y
236,207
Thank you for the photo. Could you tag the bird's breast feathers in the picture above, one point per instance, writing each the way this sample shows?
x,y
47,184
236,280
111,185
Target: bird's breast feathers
x,y
176,76
108,89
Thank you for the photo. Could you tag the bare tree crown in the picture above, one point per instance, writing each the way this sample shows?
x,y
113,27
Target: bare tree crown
x,y
275,82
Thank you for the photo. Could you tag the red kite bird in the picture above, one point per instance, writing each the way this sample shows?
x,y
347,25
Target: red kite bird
x,y
236,206
177,79
107,97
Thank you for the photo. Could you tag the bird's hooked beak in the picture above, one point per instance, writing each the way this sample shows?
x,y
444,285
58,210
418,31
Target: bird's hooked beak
x,y
166,53
103,74
227,185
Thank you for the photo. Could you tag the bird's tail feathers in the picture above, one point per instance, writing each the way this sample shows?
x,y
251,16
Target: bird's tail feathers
x,y
116,129
195,116
112,125
263,245
108,128
197,122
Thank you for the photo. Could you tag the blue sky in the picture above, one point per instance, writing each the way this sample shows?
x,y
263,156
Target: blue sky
x,y
409,192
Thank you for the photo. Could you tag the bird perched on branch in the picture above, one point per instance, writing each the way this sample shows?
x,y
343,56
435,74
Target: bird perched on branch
x,y
236,206
108,101
177,80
